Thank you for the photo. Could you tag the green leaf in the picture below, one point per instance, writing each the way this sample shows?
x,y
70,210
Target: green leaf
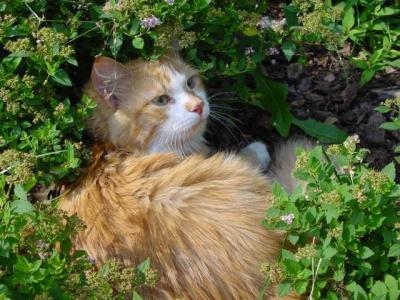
x,y
325,133
348,19
274,101
62,77
374,58
72,61
250,31
288,49
136,296
11,63
379,289
4,248
390,171
329,252
360,63
21,206
366,76
394,125
382,109
291,15
388,11
391,282
20,192
301,286
138,43
201,4
284,288
135,25
358,292
365,252
144,265
394,251
116,43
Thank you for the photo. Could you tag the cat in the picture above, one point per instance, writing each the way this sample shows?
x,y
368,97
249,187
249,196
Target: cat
x,y
161,195
168,90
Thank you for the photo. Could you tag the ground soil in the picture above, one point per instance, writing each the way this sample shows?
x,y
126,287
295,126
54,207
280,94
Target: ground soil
x,y
324,88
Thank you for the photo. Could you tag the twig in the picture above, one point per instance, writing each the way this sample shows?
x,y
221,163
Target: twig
x,y
33,12
314,277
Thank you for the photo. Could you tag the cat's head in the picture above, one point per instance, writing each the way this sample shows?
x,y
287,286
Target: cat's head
x,y
150,105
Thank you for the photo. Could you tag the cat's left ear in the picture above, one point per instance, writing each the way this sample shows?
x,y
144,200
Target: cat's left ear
x,y
112,80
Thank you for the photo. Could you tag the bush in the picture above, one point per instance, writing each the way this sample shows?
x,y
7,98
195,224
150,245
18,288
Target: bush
x,y
46,55
345,227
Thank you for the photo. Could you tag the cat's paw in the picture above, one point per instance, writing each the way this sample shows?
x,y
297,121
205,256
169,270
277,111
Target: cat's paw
x,y
257,153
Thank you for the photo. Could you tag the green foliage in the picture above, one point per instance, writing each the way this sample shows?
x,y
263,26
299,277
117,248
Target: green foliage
x,y
372,27
36,260
47,51
343,227
391,107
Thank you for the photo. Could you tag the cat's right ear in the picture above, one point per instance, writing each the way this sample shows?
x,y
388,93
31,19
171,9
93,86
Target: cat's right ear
x,y
111,80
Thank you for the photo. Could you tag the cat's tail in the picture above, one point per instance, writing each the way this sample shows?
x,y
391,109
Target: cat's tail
x,y
283,162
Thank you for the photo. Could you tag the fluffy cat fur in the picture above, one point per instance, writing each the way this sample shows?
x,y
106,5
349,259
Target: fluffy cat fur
x,y
198,218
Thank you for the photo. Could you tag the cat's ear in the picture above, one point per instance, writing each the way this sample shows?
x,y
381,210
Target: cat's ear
x,y
112,80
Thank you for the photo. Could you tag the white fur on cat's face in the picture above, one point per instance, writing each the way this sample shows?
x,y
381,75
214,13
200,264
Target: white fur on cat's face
x,y
150,105
183,129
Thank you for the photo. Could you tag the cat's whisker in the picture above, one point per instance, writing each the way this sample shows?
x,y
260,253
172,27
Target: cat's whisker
x,y
213,117
219,94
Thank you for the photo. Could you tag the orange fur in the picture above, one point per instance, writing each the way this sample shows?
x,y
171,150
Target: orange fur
x,y
134,124
197,218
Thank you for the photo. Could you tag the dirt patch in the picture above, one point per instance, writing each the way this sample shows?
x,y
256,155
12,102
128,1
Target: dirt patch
x,y
325,88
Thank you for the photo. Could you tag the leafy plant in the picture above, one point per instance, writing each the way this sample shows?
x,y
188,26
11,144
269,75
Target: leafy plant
x,y
392,107
343,228
372,27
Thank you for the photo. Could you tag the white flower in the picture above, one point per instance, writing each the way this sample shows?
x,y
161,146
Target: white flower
x,y
272,51
265,22
150,22
249,51
288,218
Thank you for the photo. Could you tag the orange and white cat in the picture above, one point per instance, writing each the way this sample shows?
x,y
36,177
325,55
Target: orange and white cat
x,y
159,195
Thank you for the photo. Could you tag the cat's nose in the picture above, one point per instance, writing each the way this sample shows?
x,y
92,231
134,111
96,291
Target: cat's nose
x,y
198,109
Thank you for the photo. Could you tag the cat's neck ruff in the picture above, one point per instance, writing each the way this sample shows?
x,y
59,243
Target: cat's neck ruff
x,y
181,147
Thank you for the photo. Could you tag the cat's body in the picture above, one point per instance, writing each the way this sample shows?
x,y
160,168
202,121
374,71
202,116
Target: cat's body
x,y
198,218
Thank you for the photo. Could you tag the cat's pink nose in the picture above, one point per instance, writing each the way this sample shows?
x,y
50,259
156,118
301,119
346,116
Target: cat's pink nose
x,y
198,109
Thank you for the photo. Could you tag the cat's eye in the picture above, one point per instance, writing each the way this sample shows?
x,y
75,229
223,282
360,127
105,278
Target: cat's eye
x,y
162,100
191,83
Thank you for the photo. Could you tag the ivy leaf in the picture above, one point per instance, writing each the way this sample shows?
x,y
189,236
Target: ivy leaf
x,y
325,133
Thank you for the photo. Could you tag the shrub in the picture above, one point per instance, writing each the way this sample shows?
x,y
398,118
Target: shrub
x,y
371,27
343,228
46,55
